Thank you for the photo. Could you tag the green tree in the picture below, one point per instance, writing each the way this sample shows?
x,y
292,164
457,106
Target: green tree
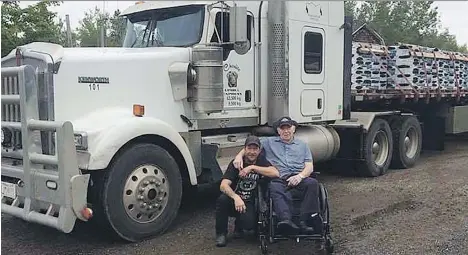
x,y
63,34
90,27
89,30
116,30
31,24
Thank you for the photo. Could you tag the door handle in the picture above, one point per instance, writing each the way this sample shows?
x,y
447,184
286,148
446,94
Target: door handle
x,y
319,103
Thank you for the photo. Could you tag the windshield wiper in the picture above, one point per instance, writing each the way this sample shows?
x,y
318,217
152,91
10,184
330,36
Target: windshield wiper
x,y
136,37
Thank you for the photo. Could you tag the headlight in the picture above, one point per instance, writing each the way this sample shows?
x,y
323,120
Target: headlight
x,y
81,141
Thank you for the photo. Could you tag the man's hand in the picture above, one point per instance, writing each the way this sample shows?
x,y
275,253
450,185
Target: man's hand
x,y
294,180
244,172
238,162
239,204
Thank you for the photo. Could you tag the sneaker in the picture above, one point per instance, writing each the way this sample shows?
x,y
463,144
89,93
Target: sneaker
x,y
287,227
317,223
221,240
305,229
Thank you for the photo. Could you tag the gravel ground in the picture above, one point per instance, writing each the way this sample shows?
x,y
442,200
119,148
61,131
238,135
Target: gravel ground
x,y
423,210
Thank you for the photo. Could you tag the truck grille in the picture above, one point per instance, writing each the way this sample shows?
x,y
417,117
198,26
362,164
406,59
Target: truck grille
x,y
11,112
44,71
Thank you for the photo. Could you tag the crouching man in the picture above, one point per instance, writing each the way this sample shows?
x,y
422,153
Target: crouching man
x,y
239,190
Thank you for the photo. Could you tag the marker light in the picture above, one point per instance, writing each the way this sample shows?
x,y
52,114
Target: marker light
x,y
87,213
138,110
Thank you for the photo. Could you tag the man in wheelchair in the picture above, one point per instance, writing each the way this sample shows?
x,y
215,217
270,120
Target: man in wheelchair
x,y
239,191
293,160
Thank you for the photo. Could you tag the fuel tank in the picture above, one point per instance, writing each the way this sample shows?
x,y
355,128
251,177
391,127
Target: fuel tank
x,y
323,142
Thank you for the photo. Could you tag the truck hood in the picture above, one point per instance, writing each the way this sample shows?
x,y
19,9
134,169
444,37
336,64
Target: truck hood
x,y
57,52
92,80
118,54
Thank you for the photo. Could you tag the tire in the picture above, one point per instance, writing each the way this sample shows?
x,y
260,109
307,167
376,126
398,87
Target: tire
x,y
263,245
407,142
324,203
380,130
162,189
329,246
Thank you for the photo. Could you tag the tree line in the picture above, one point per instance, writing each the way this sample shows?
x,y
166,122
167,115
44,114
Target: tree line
x,y
37,23
414,22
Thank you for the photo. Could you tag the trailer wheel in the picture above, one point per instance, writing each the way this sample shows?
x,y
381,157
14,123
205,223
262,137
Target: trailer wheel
x,y
378,148
140,194
407,142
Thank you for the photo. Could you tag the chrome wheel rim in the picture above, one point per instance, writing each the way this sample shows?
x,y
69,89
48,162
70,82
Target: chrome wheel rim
x,y
146,193
380,147
411,143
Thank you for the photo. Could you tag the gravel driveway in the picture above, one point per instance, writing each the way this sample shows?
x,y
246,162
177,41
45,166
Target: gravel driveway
x,y
423,210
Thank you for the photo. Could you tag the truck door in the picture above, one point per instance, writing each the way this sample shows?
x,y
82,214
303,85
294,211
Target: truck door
x,y
239,69
313,95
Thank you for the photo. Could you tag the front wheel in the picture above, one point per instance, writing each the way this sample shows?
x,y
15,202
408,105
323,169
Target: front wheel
x,y
140,194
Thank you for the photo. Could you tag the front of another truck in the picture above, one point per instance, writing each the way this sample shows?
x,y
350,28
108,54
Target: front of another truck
x,y
67,112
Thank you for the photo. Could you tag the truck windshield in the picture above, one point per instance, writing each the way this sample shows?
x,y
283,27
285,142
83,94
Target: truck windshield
x,y
168,27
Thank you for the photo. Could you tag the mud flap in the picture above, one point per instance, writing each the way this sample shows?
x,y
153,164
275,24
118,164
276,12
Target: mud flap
x,y
211,169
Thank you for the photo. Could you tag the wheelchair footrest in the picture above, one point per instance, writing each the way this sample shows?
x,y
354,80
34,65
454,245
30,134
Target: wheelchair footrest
x,y
298,238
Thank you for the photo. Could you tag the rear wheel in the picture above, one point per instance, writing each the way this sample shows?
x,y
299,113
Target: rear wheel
x,y
140,194
378,148
407,142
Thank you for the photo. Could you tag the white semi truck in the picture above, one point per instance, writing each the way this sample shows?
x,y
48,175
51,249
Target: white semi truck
x,y
118,134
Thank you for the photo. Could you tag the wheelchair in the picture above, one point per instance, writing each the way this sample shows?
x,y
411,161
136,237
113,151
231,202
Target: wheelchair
x,y
267,220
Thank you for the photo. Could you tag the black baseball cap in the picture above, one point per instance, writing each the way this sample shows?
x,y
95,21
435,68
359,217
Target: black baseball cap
x,y
252,140
285,121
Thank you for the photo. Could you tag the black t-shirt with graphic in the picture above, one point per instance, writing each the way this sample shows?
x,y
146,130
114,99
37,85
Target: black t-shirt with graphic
x,y
246,187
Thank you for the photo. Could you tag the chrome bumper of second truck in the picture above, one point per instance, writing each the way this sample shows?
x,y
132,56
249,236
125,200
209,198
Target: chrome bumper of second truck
x,y
54,196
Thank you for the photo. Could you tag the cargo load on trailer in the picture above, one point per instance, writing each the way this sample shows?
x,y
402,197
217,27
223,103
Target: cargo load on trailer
x,y
408,71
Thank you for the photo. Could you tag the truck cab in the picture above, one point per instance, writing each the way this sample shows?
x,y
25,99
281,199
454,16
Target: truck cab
x,y
249,59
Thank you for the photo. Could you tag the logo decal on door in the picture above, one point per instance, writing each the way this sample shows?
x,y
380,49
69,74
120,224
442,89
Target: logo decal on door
x,y
232,79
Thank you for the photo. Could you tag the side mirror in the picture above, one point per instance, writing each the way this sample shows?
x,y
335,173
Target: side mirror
x,y
238,24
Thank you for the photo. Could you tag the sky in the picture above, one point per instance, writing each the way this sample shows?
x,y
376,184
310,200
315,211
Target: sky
x,y
453,14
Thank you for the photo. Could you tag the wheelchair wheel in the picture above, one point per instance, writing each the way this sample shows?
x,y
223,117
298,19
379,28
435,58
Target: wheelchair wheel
x,y
324,202
263,245
329,245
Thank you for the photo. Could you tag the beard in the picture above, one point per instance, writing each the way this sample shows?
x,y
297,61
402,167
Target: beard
x,y
250,157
